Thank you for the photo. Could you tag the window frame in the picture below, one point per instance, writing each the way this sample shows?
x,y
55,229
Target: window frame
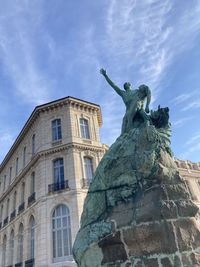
x,y
56,130
68,236
88,172
84,128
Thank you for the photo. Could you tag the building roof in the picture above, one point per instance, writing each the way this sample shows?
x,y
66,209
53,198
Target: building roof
x,y
46,107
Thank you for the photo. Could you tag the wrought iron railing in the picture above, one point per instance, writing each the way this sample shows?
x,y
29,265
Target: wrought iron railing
x,y
31,199
85,183
21,207
29,263
5,221
12,215
58,186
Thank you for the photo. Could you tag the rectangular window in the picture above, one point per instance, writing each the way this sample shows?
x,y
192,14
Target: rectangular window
x,y
22,192
33,145
24,157
84,128
4,183
56,130
17,163
32,189
89,173
10,175
58,171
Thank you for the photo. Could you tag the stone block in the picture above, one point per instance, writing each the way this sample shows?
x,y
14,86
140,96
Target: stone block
x,y
186,208
151,263
177,191
168,210
148,239
186,260
177,261
195,258
112,248
166,262
188,233
122,214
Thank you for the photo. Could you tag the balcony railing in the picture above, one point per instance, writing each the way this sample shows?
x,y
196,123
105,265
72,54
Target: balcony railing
x,y
85,183
20,264
12,215
5,221
58,186
21,207
29,263
31,199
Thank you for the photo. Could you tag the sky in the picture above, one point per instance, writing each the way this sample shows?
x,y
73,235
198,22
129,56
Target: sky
x,y
52,49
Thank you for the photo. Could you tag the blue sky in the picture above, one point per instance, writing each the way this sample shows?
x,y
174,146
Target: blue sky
x,y
52,49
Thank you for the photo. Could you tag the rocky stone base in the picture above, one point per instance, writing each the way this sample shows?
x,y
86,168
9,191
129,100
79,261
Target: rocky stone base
x,y
138,211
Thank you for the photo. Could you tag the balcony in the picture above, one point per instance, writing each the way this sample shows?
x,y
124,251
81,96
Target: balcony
x,y
20,264
21,208
31,199
58,186
85,183
12,215
29,263
5,221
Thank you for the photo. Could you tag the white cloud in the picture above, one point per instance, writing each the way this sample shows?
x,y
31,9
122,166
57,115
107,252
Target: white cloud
x,y
18,53
180,122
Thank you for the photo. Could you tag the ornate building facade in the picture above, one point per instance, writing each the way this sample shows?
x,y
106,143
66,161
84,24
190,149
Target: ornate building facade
x,y
43,183
44,180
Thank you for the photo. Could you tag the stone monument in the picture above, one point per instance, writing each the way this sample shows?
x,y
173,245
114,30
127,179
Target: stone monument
x,y
138,211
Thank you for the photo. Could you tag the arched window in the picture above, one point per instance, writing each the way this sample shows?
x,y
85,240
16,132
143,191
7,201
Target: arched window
x,y
56,129
20,243
61,227
11,247
4,251
84,128
88,166
31,244
58,171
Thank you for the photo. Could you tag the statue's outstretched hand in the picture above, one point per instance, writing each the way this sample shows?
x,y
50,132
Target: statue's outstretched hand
x,y
103,72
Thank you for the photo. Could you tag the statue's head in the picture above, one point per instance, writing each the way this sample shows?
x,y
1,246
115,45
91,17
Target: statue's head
x,y
127,86
144,90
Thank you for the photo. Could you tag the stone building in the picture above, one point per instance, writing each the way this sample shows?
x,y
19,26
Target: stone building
x,y
190,171
43,183
44,180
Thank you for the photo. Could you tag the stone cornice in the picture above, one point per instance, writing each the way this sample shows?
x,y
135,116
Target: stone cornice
x,y
70,101
49,151
187,165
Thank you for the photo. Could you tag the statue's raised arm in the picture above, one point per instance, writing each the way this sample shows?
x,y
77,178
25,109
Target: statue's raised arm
x,y
111,83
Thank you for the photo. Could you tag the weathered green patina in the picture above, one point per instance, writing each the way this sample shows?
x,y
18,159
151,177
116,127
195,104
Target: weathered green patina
x,y
136,182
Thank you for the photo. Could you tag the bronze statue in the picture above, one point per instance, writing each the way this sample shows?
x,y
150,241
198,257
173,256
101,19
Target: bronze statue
x,y
133,100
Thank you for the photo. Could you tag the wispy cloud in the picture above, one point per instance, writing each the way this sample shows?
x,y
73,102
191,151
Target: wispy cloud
x,y
191,146
18,53
180,122
188,100
6,140
194,139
